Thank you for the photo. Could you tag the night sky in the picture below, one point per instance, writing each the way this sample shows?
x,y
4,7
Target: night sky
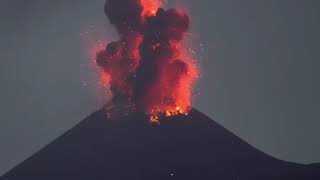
x,y
259,63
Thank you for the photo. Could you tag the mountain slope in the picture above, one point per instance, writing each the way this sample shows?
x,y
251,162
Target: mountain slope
x,y
108,145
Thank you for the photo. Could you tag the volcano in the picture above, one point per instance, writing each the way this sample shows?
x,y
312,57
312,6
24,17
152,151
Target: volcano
x,y
111,145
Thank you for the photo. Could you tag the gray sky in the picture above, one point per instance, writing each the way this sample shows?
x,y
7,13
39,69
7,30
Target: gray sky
x,y
259,64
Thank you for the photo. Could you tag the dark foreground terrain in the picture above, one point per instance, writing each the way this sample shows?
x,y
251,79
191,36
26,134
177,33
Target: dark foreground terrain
x,y
127,147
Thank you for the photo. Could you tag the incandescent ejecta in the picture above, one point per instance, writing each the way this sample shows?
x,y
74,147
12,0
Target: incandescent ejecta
x,y
151,78
148,67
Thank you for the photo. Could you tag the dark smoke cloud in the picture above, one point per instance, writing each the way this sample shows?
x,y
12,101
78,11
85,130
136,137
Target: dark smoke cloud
x,y
144,65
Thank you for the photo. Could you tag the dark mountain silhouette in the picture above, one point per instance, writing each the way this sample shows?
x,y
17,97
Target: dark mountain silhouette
x,y
110,146
315,165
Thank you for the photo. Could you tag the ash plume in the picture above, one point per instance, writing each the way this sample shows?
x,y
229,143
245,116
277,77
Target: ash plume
x,y
146,66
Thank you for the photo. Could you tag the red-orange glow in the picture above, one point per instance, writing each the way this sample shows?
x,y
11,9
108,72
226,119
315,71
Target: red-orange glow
x,y
150,7
154,119
98,47
182,93
149,66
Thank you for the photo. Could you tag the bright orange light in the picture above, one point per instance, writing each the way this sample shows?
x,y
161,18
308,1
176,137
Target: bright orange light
x,y
150,66
150,7
93,51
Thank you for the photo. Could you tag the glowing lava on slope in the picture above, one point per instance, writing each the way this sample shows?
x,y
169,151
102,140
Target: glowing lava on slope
x,y
148,66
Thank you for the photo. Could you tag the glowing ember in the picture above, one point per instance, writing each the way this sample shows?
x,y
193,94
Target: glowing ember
x,y
148,66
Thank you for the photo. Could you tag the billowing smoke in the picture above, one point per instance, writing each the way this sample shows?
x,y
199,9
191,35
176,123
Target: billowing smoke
x,y
148,66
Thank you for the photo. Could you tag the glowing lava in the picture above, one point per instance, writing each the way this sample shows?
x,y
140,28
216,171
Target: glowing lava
x,y
149,67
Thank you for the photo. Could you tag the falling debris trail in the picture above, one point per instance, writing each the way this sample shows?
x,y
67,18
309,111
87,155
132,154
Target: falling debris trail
x,y
148,66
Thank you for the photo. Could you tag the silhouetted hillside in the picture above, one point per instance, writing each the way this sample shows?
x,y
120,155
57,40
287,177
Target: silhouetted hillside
x,y
315,165
110,146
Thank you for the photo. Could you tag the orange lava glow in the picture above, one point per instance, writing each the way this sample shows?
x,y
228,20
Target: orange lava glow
x,y
149,66
93,51
150,7
182,93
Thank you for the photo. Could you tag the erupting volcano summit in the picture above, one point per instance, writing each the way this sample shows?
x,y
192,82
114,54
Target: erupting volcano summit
x,y
151,78
149,67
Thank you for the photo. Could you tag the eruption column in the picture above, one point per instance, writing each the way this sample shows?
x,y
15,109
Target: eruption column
x,y
145,66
